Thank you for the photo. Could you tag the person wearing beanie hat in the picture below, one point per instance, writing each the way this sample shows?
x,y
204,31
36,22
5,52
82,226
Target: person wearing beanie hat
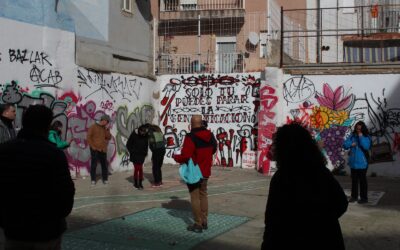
x,y
105,118
98,137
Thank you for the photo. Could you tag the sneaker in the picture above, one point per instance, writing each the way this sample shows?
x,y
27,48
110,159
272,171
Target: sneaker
x,y
362,201
105,182
195,228
155,185
205,226
352,199
93,183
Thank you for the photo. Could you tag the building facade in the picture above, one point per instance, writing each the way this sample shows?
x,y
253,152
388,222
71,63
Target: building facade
x,y
82,59
113,36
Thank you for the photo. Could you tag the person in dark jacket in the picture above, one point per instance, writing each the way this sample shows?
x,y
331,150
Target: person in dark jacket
x,y
358,144
36,188
305,201
7,116
200,145
157,147
137,146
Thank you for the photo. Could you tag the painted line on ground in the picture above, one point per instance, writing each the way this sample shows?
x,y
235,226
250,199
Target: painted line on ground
x,y
165,192
160,200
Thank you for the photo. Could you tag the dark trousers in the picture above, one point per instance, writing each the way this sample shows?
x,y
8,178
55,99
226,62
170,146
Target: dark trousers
x,y
157,160
359,177
102,157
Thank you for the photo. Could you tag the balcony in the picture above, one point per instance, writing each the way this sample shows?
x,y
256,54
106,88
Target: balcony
x,y
191,9
211,63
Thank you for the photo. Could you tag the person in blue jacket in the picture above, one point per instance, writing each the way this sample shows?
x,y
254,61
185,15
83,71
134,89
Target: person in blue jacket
x,y
359,143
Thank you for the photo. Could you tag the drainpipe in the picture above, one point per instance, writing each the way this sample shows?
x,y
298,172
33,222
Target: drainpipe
x,y
318,45
281,54
199,46
155,29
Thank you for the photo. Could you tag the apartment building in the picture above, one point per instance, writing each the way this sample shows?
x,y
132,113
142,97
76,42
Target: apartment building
x,y
214,36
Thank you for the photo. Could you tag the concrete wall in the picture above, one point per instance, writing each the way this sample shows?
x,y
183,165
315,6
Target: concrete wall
x,y
228,102
91,17
41,62
110,39
331,104
36,12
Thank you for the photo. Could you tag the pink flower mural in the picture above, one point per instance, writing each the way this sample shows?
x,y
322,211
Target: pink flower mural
x,y
335,99
331,119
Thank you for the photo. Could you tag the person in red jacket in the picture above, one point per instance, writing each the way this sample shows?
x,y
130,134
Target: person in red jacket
x,y
200,145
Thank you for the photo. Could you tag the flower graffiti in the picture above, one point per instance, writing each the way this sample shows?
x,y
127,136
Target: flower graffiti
x,y
335,99
331,118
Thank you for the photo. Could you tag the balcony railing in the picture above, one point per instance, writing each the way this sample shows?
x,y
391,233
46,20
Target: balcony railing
x,y
210,63
364,35
188,5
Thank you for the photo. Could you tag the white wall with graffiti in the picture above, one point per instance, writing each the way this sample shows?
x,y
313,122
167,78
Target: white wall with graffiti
x,y
331,104
37,67
229,103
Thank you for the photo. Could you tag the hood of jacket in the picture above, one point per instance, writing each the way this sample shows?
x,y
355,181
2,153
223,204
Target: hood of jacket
x,y
203,134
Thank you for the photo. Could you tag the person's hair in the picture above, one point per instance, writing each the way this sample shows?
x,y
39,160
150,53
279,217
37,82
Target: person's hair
x,y
294,149
5,106
55,125
204,123
364,129
152,127
37,119
143,130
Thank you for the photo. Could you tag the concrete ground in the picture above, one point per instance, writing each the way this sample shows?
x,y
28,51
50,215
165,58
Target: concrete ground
x,y
236,192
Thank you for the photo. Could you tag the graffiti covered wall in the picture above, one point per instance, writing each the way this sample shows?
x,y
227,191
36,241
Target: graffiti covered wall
x,y
330,105
229,104
37,67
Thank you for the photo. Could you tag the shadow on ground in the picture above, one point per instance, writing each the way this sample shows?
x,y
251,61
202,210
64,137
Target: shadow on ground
x,y
177,203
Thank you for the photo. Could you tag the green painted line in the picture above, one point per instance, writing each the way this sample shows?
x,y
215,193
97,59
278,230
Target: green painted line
x,y
82,202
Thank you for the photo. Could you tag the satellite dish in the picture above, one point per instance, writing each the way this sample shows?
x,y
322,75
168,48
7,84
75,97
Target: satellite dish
x,y
253,38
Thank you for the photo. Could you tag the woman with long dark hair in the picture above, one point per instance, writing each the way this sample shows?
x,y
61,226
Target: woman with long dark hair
x,y
358,143
305,201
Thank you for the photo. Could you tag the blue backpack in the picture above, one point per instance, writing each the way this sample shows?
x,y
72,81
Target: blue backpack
x,y
190,173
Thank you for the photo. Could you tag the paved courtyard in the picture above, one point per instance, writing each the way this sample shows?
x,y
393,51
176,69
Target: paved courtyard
x,y
237,202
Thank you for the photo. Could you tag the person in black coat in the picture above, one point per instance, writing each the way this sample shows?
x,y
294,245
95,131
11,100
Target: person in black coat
x,y
305,201
158,150
137,146
36,189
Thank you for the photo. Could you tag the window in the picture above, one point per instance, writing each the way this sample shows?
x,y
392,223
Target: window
x,y
188,4
263,44
127,6
372,51
227,57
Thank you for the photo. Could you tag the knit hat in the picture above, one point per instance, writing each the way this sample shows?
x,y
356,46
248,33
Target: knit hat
x,y
105,118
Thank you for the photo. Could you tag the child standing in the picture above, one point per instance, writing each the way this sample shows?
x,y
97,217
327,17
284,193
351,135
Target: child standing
x,y
137,146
